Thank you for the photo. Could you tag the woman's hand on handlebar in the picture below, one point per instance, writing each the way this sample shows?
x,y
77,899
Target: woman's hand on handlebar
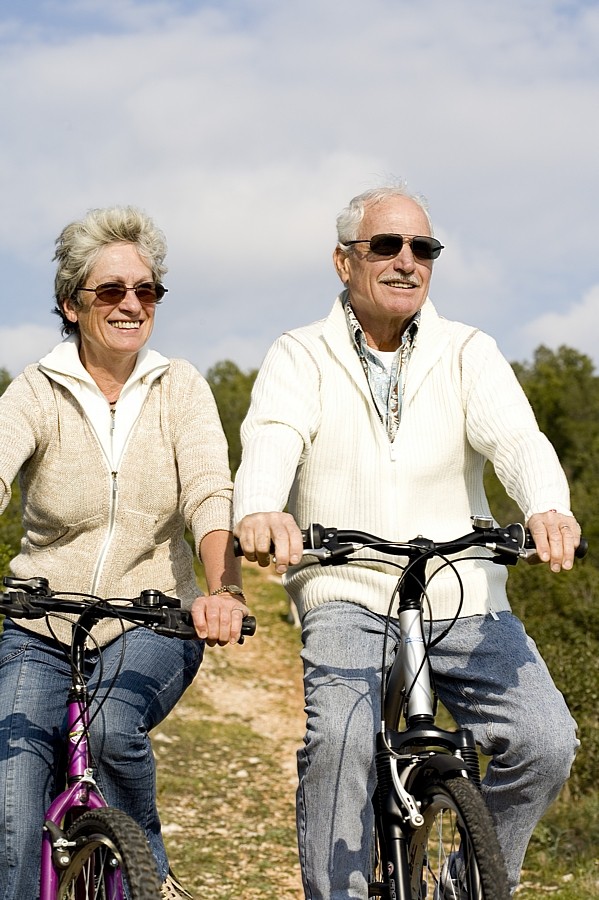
x,y
217,618
556,537
259,533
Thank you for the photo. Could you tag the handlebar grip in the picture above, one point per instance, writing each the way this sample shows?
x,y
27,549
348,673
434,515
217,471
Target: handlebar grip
x,y
312,538
179,623
582,549
248,626
238,550
580,552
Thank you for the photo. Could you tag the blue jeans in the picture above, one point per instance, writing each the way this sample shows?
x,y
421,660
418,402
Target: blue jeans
x,y
152,675
491,678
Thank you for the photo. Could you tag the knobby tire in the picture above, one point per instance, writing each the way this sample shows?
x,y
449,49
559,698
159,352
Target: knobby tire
x,y
108,841
457,832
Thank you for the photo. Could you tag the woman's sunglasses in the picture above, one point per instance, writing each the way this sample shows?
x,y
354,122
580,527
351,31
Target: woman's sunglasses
x,y
113,292
389,245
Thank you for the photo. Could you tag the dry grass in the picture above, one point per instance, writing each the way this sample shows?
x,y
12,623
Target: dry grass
x,y
227,763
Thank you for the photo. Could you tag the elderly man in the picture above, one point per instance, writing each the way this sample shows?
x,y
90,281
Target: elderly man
x,y
380,418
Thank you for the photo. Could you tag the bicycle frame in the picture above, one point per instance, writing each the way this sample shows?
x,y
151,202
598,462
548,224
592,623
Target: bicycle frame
x,y
82,793
401,755
32,598
429,813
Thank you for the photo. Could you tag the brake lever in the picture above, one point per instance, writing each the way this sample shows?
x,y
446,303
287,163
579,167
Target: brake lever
x,y
17,605
335,556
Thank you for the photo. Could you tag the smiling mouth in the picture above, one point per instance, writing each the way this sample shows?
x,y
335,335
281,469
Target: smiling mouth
x,y
128,326
398,283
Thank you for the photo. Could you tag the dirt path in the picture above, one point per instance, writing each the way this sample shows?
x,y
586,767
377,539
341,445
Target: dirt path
x,y
234,736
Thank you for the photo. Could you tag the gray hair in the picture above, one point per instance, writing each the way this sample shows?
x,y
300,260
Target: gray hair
x,y
80,243
350,218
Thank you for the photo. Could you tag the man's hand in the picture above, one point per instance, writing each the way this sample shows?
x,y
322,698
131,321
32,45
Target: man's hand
x,y
217,618
259,531
556,538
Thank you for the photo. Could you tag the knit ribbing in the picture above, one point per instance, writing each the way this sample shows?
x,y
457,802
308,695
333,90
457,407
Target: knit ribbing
x,y
312,433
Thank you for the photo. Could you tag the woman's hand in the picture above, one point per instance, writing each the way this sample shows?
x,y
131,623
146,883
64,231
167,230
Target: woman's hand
x,y
217,618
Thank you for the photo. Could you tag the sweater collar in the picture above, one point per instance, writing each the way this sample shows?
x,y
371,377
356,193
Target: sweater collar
x,y
63,362
431,342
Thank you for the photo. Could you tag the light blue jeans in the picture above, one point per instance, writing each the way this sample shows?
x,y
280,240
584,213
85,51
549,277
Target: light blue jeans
x,y
491,678
34,678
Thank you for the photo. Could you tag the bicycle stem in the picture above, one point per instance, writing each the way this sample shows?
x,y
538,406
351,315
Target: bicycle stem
x,y
418,690
417,677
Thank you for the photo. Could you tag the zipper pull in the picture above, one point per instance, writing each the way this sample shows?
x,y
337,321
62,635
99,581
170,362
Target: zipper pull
x,y
392,452
115,487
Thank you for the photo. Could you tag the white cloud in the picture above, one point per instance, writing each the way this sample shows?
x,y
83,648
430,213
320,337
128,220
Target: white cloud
x,y
577,326
243,129
24,344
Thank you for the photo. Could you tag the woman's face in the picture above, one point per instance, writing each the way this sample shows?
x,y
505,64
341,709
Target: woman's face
x,y
114,331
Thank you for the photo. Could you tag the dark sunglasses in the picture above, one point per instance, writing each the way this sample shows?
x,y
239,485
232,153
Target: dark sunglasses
x,y
389,245
113,292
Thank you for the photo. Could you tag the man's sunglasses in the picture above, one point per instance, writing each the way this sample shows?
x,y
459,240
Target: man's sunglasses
x,y
390,245
113,292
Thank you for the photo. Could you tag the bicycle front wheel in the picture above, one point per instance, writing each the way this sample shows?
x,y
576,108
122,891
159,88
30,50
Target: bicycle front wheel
x,y
110,860
455,854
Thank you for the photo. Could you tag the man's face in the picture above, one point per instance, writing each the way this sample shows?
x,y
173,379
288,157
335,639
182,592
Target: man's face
x,y
386,292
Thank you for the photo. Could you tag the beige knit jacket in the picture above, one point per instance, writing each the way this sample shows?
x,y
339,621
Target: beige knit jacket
x,y
114,533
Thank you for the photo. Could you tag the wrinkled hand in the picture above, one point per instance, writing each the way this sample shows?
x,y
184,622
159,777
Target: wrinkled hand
x,y
556,537
218,618
259,531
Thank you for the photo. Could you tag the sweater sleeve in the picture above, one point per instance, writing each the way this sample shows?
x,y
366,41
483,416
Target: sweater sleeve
x,y
278,430
201,453
20,422
502,426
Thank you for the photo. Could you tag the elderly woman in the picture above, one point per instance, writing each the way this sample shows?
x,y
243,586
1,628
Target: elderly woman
x,y
119,450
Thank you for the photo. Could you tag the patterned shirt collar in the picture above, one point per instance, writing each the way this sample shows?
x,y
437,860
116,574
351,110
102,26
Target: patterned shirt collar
x,y
386,383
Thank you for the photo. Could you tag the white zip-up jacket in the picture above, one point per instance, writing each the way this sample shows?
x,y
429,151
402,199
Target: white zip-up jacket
x,y
314,442
105,509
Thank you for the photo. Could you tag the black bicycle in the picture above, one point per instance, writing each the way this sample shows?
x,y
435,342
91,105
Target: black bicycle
x,y
434,837
89,850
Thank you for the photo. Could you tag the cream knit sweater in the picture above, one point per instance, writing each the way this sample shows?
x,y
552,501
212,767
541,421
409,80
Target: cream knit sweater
x,y
314,441
91,529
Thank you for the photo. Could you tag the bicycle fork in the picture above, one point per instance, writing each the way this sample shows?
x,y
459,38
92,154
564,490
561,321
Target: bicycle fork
x,y
421,751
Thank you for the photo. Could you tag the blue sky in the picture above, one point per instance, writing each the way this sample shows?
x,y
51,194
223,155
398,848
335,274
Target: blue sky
x,y
244,127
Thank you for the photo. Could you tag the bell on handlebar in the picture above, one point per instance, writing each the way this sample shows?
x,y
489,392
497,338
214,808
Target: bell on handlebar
x,y
149,599
152,598
481,523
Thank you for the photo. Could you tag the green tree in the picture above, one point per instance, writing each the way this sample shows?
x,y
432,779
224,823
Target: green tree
x,y
232,389
562,615
5,380
561,611
564,393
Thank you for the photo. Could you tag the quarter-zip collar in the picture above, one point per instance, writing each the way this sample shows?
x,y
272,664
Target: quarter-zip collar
x,y
64,366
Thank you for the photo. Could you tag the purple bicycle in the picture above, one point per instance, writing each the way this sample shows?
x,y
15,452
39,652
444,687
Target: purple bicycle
x,y
89,850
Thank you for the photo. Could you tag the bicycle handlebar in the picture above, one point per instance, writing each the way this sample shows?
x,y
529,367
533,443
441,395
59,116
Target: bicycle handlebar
x,y
32,599
332,545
